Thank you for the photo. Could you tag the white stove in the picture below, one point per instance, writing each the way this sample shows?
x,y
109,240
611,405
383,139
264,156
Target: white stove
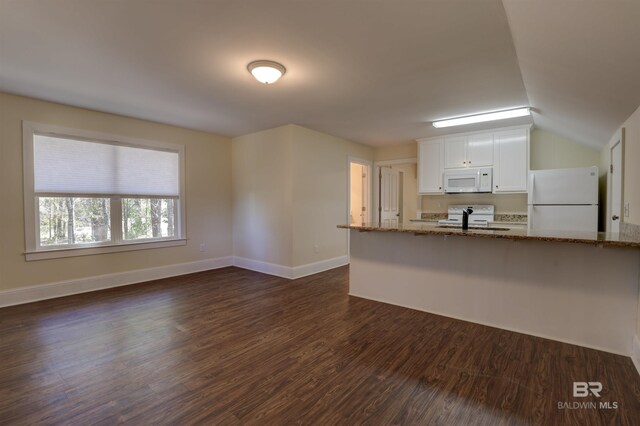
x,y
482,215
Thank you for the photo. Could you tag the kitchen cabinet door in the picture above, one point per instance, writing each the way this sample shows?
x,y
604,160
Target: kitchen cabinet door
x,y
430,157
511,160
455,152
480,150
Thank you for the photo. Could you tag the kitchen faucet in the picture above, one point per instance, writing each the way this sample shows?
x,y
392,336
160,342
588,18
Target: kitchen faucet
x,y
465,217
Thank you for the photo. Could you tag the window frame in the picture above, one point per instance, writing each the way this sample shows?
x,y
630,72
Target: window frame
x,y
33,249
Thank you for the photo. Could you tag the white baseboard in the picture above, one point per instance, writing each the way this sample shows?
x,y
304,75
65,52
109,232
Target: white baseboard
x,y
287,271
22,295
82,285
635,352
321,266
264,267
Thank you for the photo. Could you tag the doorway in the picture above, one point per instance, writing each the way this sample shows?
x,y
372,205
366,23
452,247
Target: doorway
x,y
616,181
404,195
359,192
391,189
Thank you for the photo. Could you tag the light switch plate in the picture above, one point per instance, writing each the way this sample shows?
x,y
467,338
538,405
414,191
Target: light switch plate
x,y
626,210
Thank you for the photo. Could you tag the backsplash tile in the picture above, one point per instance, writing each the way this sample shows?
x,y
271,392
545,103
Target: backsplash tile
x,y
433,216
514,218
510,218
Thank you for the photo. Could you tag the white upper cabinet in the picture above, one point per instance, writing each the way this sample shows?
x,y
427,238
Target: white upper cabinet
x,y
475,150
480,150
455,152
430,162
511,160
505,149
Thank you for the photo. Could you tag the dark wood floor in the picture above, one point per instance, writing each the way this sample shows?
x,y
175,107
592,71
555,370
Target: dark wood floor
x,y
236,347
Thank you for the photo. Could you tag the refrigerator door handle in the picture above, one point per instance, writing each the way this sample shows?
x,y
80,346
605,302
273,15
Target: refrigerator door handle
x,y
532,177
530,218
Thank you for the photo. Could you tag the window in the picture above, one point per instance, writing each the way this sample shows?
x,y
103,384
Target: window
x,y
88,193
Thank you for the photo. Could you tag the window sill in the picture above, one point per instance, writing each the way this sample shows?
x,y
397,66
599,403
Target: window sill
x,y
87,251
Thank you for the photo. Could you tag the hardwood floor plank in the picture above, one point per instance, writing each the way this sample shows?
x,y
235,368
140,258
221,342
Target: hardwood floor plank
x,y
232,346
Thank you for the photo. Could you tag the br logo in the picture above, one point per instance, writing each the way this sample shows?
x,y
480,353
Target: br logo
x,y
582,389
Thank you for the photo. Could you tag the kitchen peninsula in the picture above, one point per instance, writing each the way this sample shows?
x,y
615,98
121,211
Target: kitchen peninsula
x,y
574,287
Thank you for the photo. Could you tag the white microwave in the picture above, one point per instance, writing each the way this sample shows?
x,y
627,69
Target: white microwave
x,y
468,180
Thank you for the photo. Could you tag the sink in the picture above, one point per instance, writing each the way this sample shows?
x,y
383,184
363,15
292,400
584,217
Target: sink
x,y
475,228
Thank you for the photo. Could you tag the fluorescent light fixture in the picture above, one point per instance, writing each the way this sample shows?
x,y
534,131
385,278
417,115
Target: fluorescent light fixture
x,y
266,72
480,118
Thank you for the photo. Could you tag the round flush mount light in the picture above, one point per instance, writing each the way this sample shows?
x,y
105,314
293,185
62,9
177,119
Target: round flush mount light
x,y
266,72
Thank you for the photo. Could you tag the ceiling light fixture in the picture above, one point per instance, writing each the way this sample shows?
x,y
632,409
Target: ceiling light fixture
x,y
266,72
480,118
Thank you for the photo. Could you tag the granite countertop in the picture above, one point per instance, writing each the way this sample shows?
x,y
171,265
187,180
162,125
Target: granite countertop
x,y
595,238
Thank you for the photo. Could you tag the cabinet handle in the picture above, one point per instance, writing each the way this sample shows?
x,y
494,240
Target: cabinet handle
x,y
464,162
439,187
496,186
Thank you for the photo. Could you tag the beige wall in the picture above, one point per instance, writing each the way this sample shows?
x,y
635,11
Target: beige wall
x,y
396,152
262,196
208,194
320,193
290,191
550,151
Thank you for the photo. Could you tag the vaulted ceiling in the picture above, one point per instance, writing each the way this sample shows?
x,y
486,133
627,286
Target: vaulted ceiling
x,y
375,72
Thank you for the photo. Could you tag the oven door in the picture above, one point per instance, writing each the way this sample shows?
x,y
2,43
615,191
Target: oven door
x,y
456,182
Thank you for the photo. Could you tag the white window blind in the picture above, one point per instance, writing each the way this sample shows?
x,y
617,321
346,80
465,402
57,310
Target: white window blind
x,y
68,166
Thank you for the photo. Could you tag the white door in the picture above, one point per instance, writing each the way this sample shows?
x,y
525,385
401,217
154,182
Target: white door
x,y
430,154
389,196
455,152
615,177
563,218
480,150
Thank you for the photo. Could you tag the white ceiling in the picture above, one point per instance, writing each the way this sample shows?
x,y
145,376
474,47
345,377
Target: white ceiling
x,y
580,62
376,72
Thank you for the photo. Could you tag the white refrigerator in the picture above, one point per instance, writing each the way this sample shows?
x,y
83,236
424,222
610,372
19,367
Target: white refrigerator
x,y
563,199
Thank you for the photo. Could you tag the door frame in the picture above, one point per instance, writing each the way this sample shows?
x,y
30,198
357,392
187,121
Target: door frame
x,y
376,185
617,138
369,164
367,216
